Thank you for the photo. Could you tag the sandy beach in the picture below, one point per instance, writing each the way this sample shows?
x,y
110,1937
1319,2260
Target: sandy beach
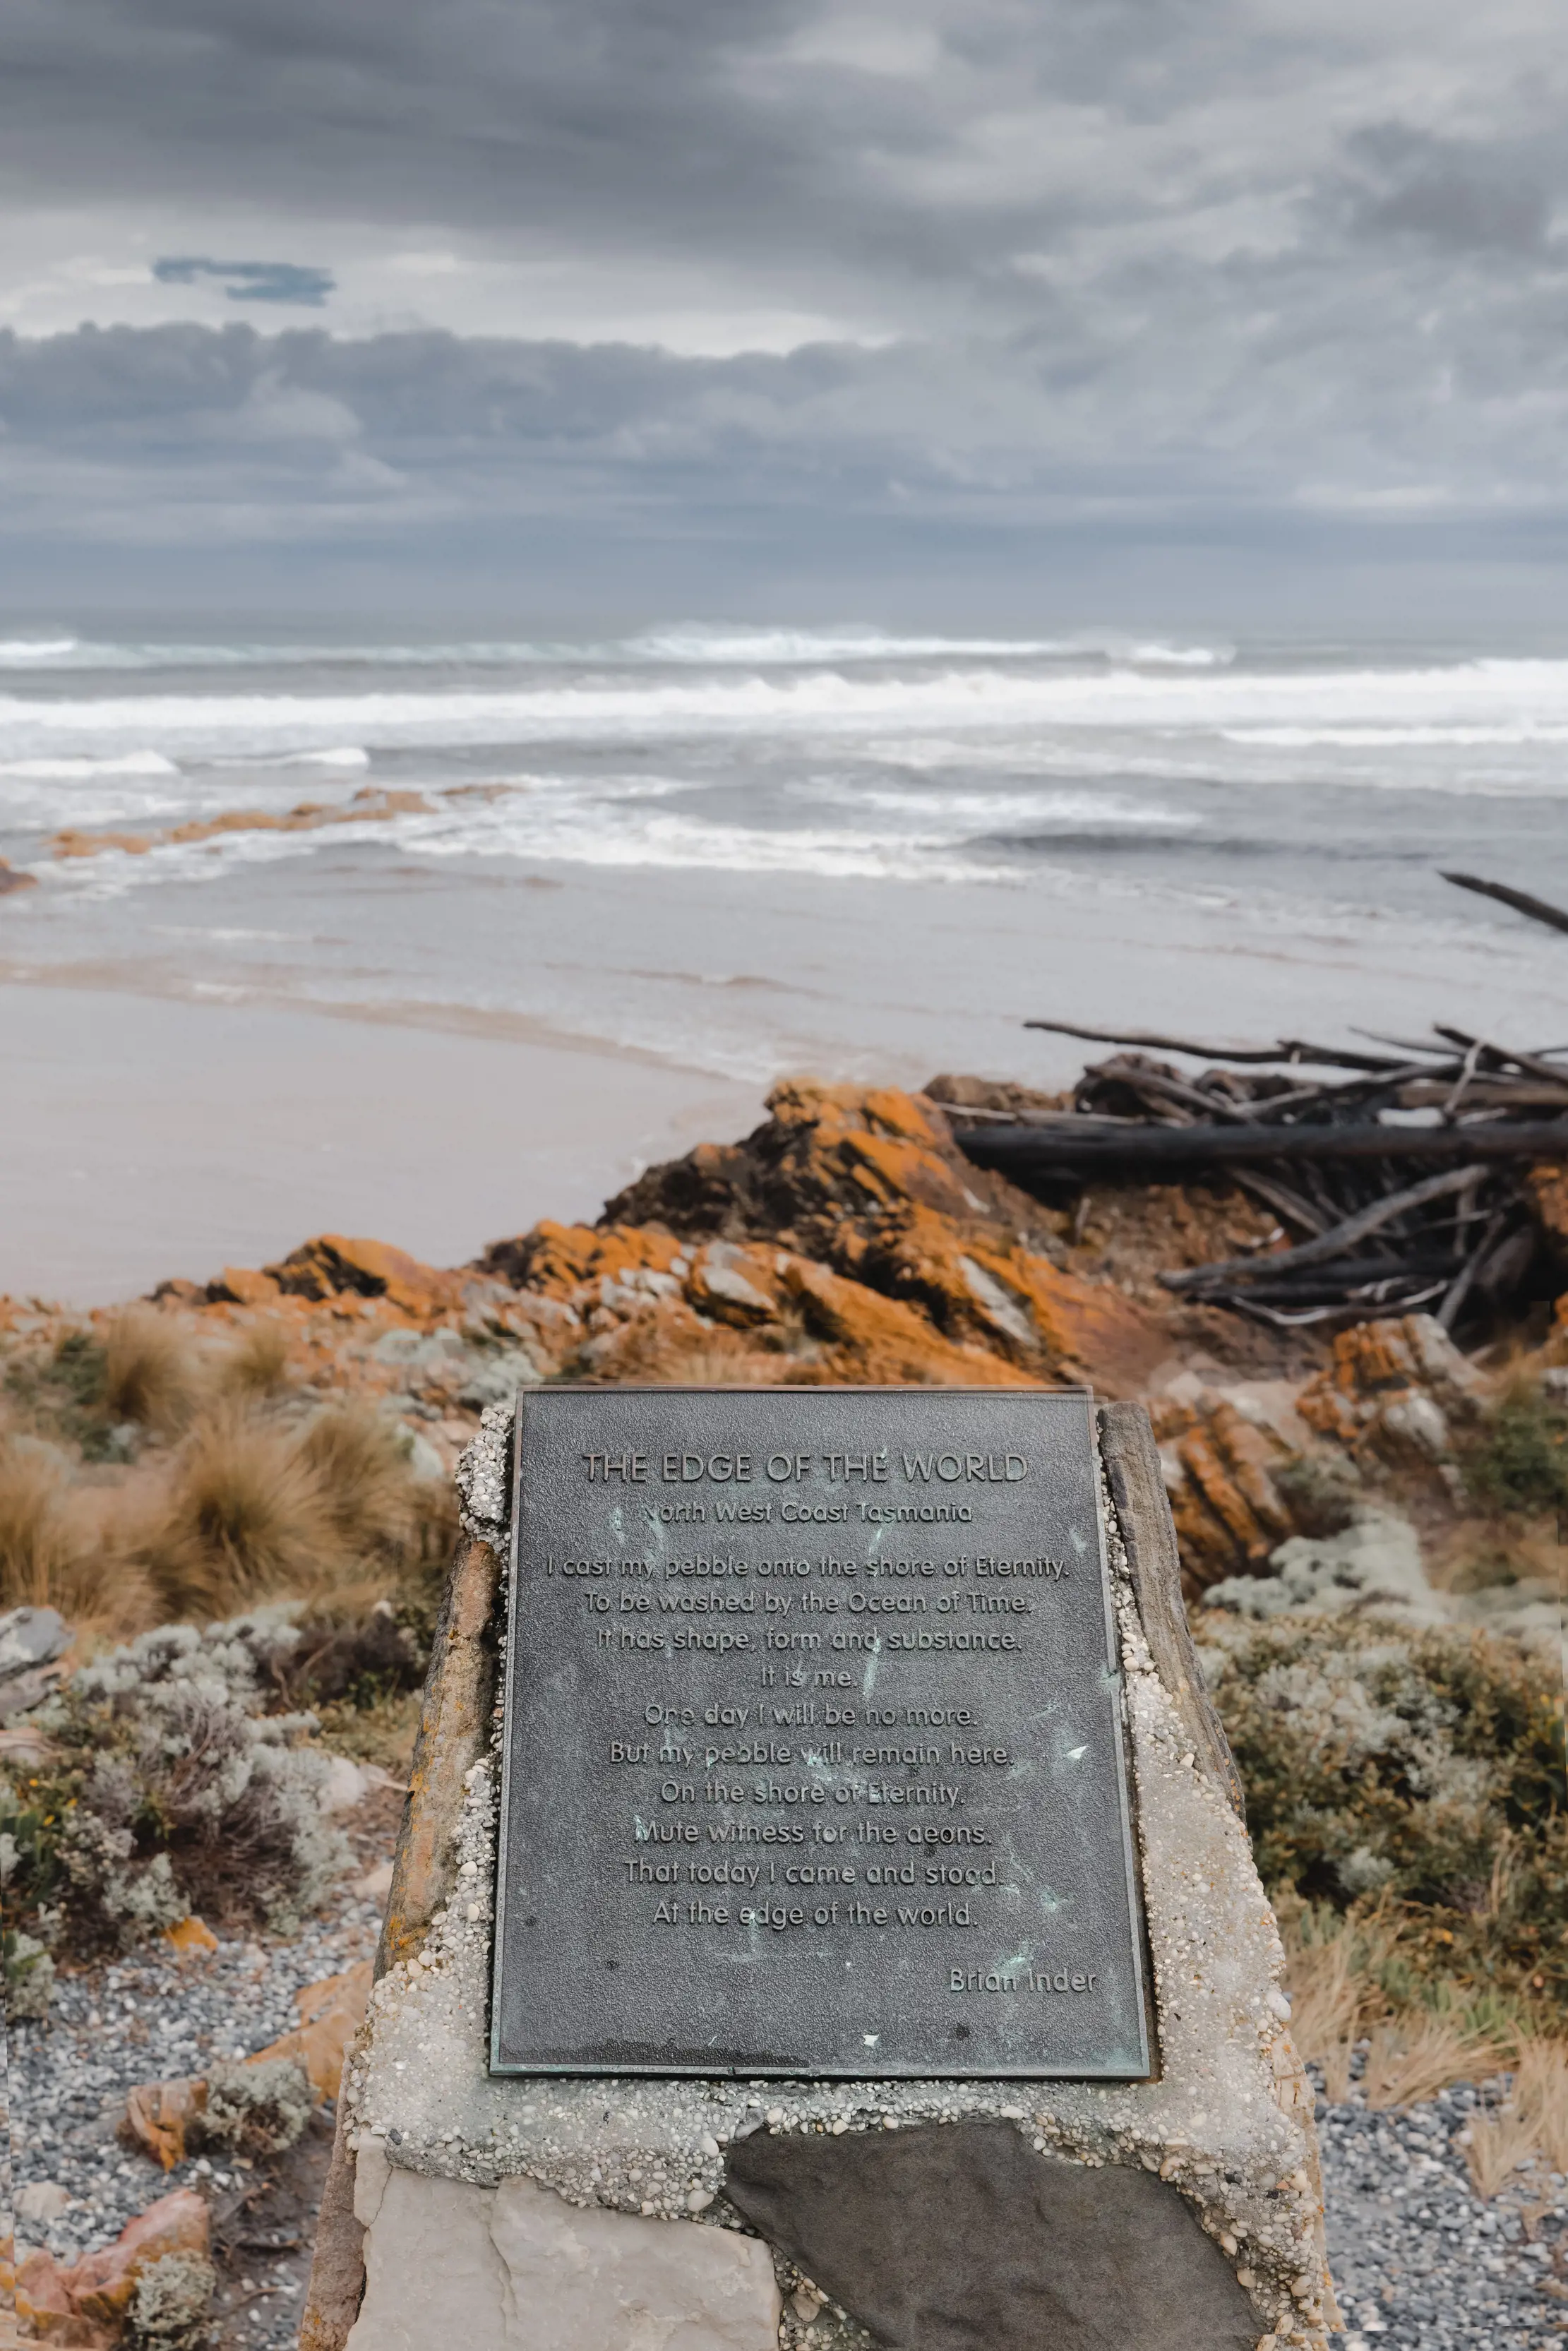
x,y
147,1137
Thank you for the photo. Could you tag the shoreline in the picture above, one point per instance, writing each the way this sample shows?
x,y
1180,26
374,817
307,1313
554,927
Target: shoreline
x,y
152,1136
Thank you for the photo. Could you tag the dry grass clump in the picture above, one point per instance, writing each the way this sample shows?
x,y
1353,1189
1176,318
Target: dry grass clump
x,y
52,1552
1414,2057
255,1510
37,1551
242,1519
1531,2125
256,1364
1349,1987
1331,1995
362,1478
149,1372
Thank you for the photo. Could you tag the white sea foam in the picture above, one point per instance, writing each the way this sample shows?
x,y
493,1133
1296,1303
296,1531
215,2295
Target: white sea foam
x,y
789,648
962,813
1504,703
81,770
31,652
345,755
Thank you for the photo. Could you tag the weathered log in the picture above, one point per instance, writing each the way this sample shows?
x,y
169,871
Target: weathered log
x,y
1521,901
1288,1049
1071,1145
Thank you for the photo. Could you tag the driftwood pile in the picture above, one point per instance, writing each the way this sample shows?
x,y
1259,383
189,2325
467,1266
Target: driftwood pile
x,y
1402,1172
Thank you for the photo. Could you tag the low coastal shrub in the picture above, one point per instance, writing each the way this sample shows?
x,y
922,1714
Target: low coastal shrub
x,y
166,1788
1518,1460
169,2306
254,2109
1412,1781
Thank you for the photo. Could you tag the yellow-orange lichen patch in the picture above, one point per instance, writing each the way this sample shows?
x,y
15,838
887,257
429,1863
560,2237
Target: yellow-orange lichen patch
x,y
369,805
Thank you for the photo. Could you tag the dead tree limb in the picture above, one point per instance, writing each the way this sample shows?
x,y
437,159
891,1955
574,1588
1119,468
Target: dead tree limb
x,y
1520,900
1336,1241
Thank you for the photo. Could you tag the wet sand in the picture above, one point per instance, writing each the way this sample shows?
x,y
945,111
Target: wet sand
x,y
146,1138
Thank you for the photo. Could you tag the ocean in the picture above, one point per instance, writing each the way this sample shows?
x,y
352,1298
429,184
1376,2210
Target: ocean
x,y
746,851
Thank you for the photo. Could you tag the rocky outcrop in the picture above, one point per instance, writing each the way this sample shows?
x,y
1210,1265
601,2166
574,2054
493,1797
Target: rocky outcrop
x,y
1398,1389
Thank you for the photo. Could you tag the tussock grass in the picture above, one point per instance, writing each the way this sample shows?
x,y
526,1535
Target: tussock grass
x,y
1532,2123
149,1372
1350,1985
53,1554
254,1509
35,1550
256,1364
362,1478
1412,2057
1331,1995
242,1520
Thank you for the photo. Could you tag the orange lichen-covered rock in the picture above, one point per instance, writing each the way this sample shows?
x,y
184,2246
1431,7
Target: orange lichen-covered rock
x,y
1394,1388
1229,1514
330,2013
159,2116
559,1258
983,1285
239,1285
870,1183
825,1155
84,2306
333,1266
876,1342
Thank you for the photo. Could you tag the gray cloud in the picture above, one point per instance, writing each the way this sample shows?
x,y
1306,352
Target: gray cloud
x,y
250,281
1185,273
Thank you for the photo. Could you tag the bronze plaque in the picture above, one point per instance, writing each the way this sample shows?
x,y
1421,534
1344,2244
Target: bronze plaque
x,y
814,1760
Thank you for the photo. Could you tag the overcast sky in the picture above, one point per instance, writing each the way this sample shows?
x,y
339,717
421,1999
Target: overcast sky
x,y
1154,310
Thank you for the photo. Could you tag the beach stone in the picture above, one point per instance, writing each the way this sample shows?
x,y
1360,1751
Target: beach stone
x,y
963,2239
41,2199
29,1638
515,2268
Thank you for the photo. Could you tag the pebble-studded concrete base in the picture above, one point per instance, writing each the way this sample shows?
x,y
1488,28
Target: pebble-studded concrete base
x,y
1227,2123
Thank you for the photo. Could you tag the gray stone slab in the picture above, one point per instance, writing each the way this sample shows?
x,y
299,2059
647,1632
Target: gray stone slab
x,y
515,2269
814,1760
964,2238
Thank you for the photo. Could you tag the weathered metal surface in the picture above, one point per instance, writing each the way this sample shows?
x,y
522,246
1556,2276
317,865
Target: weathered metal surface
x,y
813,1752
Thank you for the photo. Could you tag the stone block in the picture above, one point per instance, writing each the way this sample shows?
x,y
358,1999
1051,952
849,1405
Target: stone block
x,y
515,2268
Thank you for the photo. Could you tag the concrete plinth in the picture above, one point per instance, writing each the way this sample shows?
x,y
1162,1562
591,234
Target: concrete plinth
x,y
587,2209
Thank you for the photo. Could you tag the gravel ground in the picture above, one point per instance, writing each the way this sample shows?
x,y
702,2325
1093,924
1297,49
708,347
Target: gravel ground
x,y
1419,2261
147,2017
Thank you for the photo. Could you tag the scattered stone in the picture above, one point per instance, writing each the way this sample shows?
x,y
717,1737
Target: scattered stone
x,y
41,2199
31,1637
